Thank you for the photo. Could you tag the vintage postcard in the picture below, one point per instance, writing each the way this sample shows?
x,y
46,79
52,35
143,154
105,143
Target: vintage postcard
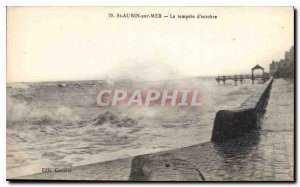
x,y
150,94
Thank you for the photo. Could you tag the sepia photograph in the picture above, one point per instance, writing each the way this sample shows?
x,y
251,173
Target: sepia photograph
x,y
141,94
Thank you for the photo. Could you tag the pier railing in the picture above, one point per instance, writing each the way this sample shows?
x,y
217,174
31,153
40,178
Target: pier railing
x,y
240,78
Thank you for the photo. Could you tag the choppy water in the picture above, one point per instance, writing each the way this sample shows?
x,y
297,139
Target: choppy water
x,y
56,126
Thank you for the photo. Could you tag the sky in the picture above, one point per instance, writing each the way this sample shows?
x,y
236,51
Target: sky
x,y
83,43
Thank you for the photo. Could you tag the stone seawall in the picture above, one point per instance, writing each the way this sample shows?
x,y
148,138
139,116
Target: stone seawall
x,y
229,124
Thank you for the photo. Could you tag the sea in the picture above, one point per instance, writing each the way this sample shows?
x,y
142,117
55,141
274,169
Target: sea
x,y
60,125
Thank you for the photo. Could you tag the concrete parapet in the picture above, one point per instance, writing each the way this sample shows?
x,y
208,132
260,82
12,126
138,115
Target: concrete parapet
x,y
163,167
229,124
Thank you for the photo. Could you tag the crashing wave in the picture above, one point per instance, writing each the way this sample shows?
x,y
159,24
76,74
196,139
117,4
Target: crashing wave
x,y
109,117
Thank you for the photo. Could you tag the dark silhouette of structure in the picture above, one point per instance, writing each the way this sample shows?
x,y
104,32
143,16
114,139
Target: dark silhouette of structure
x,y
240,78
285,67
255,68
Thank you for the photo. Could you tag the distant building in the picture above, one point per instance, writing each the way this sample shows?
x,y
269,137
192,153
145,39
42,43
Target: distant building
x,y
285,67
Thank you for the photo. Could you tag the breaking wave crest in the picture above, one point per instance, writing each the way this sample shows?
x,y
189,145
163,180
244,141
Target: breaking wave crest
x,y
20,113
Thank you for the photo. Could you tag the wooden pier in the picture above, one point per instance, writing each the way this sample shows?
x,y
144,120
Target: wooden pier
x,y
240,78
264,76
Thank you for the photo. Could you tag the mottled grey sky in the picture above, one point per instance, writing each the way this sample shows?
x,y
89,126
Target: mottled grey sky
x,y
73,43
